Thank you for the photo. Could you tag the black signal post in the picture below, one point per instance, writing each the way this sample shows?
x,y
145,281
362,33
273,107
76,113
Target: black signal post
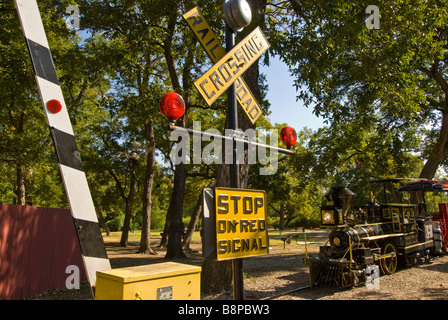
x,y
237,264
237,15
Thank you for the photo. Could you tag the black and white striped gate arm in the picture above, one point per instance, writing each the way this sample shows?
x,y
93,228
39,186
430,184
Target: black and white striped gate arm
x,y
70,165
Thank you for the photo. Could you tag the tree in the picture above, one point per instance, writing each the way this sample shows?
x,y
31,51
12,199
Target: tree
x,y
145,241
174,225
390,79
182,56
24,141
132,33
294,193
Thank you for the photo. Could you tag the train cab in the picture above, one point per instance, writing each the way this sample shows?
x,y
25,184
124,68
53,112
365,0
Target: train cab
x,y
432,200
401,216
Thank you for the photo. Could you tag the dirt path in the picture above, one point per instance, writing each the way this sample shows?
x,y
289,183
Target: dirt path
x,y
283,270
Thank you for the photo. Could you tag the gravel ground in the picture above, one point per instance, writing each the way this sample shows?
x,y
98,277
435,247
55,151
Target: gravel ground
x,y
283,270
422,282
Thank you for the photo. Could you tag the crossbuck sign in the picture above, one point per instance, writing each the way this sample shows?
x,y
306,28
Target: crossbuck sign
x,y
225,72
228,67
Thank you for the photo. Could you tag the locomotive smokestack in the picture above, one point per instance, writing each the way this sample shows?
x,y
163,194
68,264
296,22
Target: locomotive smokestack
x,y
341,197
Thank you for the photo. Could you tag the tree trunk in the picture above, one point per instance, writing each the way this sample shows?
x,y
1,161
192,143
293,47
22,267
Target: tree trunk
x,y
20,191
440,151
175,212
129,200
194,219
282,216
192,225
127,220
101,218
174,229
145,240
19,123
216,276
166,230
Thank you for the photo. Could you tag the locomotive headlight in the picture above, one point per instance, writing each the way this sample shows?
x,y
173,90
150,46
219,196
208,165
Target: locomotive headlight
x,y
336,241
327,217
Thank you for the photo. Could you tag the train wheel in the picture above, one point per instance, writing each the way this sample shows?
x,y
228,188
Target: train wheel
x,y
389,265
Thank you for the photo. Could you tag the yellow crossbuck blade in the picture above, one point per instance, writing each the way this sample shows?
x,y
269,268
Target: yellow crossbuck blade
x,y
225,72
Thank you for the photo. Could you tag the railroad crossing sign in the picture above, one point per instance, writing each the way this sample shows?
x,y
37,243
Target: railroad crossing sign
x,y
224,72
218,78
225,75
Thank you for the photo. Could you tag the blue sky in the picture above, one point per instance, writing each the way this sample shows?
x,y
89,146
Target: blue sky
x,y
282,96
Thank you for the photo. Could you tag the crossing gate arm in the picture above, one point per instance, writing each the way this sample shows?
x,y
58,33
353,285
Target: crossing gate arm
x,y
70,165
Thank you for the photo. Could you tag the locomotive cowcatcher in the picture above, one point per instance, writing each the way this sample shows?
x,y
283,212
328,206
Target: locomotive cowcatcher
x,y
376,236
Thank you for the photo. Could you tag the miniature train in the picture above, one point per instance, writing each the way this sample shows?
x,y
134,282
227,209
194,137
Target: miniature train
x,y
383,235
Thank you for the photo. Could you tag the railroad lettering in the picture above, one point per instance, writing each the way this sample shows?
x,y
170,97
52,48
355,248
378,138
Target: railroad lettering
x,y
227,70
210,42
235,203
241,228
247,205
223,205
250,204
202,85
245,225
196,18
206,36
216,80
203,33
258,203
236,245
246,100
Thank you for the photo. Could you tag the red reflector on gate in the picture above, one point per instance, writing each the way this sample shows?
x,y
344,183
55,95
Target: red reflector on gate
x,y
54,106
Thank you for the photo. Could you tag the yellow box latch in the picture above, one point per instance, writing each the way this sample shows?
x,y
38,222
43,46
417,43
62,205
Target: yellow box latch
x,y
161,281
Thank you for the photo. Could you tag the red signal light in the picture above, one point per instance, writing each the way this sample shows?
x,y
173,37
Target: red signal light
x,y
54,106
288,136
172,106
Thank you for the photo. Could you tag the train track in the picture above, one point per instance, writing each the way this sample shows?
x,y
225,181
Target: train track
x,y
299,289
286,293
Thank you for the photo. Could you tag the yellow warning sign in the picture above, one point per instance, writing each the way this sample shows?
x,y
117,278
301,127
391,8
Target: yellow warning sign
x,y
211,44
241,226
219,78
207,38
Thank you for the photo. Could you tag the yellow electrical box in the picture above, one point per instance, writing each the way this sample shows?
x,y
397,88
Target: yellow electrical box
x,y
161,281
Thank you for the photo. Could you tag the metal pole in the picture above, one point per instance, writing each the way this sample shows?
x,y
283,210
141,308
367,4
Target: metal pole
x,y
237,264
232,109
248,143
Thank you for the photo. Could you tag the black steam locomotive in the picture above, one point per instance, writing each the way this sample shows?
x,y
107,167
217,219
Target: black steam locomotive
x,y
375,235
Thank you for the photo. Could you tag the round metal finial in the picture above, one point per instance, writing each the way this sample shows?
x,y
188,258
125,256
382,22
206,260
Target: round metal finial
x,y
237,14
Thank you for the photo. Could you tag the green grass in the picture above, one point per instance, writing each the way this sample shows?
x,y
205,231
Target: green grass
x,y
274,236
135,236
